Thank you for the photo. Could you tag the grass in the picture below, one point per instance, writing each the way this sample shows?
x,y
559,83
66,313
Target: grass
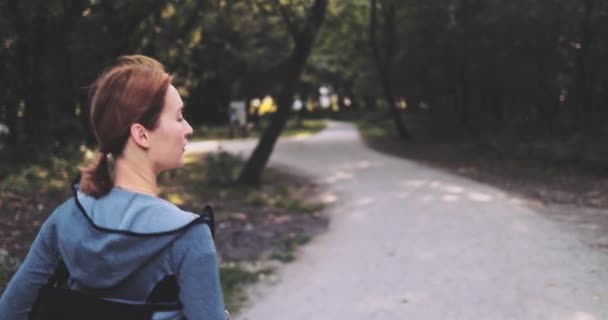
x,y
308,127
45,172
286,251
376,126
234,279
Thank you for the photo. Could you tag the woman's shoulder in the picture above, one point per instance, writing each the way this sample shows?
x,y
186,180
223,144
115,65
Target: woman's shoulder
x,y
59,213
63,209
198,237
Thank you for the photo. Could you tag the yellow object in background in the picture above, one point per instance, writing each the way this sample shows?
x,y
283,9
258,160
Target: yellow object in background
x,y
267,106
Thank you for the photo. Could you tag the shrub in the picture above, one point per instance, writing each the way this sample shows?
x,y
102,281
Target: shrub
x,y
222,168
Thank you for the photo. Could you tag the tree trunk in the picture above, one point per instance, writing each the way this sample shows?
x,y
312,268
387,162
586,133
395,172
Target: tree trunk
x,y
304,40
370,102
384,66
547,95
36,113
16,87
582,99
498,107
465,87
65,95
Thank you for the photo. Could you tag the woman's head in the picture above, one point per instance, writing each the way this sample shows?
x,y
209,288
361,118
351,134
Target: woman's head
x,y
130,101
123,95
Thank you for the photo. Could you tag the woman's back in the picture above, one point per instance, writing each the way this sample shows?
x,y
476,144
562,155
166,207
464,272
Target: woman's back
x,y
121,245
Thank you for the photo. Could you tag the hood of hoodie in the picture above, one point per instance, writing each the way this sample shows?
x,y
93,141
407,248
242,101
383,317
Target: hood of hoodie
x,y
124,230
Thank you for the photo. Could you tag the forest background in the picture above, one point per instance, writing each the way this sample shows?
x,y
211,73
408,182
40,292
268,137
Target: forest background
x,y
509,92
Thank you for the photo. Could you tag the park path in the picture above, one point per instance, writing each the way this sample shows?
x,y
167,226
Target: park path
x,y
410,242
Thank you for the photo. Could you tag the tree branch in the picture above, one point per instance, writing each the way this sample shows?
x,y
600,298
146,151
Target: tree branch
x,y
287,19
389,31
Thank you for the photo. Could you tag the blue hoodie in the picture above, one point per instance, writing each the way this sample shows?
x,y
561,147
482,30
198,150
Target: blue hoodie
x,y
147,240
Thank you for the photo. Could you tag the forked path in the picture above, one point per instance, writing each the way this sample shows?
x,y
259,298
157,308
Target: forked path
x,y
410,242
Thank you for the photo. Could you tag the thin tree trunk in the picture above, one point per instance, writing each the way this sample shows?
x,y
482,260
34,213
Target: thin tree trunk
x,y
17,87
384,66
304,40
546,98
582,99
66,96
36,113
498,103
465,87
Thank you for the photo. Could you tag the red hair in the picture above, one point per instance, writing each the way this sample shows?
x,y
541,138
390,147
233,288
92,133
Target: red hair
x,y
132,91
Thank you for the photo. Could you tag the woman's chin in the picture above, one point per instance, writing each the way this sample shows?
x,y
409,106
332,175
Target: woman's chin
x,y
181,162
178,165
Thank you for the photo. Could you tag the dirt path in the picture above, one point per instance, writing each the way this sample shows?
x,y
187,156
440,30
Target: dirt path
x,y
410,242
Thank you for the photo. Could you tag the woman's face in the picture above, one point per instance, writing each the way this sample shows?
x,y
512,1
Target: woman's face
x,y
168,141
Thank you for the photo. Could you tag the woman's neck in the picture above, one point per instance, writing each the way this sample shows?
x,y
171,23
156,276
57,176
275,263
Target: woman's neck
x,y
133,176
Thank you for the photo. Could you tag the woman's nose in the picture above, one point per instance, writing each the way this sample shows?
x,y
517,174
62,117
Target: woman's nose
x,y
189,129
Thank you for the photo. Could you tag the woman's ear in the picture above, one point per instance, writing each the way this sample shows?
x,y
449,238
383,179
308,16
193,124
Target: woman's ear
x,y
140,135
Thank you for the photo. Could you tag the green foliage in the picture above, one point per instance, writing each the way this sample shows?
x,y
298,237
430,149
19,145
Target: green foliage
x,y
286,251
8,266
500,65
286,255
298,206
376,125
341,54
42,172
256,199
222,168
307,127
212,132
292,129
280,200
211,177
234,278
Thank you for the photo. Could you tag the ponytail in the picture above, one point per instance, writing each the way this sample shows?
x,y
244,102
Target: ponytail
x,y
95,179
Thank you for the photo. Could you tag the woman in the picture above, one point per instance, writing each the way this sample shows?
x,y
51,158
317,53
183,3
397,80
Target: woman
x,y
119,240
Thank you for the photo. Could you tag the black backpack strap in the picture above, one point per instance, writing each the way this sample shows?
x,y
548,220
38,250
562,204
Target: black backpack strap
x,y
60,276
165,290
208,218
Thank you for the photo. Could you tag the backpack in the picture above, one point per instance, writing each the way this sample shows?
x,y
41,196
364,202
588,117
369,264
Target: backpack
x,y
56,302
